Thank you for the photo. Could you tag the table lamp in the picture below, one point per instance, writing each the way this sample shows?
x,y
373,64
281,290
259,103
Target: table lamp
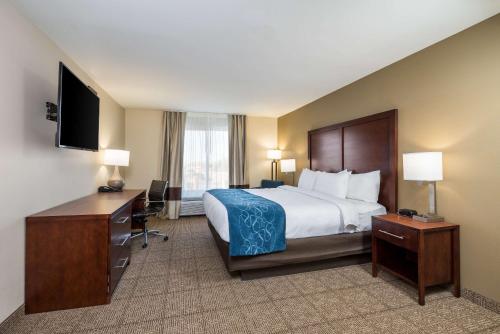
x,y
426,167
274,155
288,166
116,158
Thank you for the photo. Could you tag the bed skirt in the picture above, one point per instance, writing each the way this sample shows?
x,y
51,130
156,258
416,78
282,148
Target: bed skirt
x,y
303,254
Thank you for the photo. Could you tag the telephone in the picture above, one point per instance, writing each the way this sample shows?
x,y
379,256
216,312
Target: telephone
x,y
407,212
106,189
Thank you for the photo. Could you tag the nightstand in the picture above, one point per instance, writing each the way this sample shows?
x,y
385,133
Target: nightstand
x,y
423,254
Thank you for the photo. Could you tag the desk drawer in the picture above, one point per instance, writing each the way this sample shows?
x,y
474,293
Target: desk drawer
x,y
395,234
119,248
120,227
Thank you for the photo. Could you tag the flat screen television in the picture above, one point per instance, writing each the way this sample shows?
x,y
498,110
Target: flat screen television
x,y
77,113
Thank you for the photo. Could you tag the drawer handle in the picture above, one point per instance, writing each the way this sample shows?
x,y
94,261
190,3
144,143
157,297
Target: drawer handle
x,y
123,242
124,263
392,235
122,220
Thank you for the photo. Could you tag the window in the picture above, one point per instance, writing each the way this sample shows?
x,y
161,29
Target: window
x,y
206,151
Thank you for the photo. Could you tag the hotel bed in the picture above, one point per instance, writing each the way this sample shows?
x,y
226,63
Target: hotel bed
x,y
308,213
323,230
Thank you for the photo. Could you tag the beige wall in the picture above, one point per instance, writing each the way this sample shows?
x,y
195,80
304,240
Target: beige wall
x,y
448,97
35,174
143,139
261,136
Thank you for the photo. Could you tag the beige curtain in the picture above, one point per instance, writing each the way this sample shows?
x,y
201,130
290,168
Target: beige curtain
x,y
237,152
174,124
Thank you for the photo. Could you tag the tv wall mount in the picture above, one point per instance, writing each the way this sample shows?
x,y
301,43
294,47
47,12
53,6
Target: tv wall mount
x,y
51,114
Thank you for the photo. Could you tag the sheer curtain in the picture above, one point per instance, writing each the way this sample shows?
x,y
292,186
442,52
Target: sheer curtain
x,y
206,151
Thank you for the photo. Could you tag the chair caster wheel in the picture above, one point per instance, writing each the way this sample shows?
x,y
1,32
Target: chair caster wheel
x,y
145,245
165,238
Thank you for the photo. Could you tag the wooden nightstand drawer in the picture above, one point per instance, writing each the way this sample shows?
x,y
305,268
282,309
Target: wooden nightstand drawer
x,y
396,234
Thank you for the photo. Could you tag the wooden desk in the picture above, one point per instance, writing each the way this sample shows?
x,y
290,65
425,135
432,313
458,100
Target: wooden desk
x,y
77,252
423,254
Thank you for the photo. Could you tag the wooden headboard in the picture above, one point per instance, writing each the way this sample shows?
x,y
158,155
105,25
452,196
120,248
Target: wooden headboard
x,y
360,145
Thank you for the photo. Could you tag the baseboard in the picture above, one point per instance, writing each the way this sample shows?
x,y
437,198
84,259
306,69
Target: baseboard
x,y
481,300
4,325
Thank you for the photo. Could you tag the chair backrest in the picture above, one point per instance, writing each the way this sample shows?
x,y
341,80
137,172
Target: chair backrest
x,y
157,192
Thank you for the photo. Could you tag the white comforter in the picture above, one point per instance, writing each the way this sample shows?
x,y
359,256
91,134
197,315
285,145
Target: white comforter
x,y
308,213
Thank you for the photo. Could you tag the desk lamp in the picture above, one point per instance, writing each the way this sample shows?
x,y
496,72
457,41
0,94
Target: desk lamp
x,y
116,158
425,167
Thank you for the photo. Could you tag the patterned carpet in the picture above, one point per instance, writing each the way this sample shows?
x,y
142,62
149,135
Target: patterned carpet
x,y
181,286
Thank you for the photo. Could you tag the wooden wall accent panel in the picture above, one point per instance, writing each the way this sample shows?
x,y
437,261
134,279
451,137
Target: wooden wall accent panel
x,y
361,145
326,151
366,148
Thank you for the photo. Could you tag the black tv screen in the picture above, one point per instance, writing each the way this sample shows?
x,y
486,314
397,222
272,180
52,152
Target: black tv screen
x,y
77,113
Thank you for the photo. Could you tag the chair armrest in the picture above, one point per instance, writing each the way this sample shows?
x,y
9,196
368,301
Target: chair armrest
x,y
148,201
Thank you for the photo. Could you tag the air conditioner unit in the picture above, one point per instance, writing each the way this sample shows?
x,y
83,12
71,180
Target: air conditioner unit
x,y
192,208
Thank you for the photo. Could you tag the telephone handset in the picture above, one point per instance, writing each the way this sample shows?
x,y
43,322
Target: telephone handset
x,y
106,189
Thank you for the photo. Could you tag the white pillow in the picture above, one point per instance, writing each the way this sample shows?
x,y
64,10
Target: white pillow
x,y
334,184
307,179
364,187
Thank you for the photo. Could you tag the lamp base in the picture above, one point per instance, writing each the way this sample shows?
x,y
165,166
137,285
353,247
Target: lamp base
x,y
428,218
116,181
274,170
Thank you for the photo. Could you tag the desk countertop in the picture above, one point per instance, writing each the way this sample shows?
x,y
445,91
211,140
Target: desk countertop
x,y
95,204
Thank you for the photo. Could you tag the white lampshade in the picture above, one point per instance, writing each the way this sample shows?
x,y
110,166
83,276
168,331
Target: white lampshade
x,y
116,157
287,165
274,154
423,166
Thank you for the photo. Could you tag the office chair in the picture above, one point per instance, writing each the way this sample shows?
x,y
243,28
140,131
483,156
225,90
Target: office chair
x,y
154,204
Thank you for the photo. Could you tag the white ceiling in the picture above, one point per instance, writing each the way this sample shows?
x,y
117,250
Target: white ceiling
x,y
257,57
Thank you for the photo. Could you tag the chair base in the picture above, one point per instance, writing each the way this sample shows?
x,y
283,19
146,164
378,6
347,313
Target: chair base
x,y
147,232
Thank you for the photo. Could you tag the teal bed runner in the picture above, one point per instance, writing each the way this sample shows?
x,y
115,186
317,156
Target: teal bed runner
x,y
256,224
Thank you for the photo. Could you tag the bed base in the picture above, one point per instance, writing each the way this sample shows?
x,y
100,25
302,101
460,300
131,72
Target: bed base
x,y
301,255
296,268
